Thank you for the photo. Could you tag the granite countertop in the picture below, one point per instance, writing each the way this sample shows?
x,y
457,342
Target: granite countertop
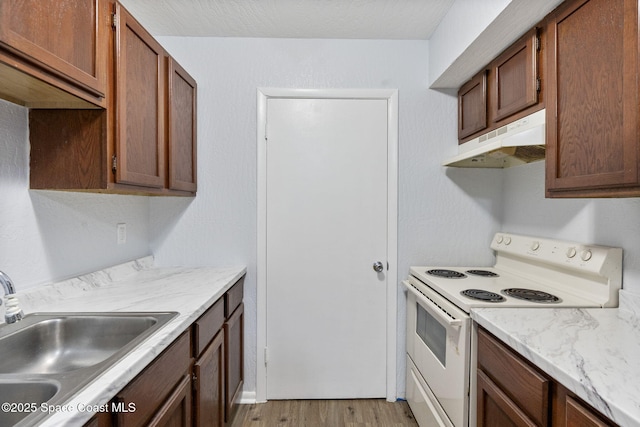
x,y
594,353
133,286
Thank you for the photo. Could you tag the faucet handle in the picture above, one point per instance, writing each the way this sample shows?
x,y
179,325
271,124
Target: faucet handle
x,y
13,313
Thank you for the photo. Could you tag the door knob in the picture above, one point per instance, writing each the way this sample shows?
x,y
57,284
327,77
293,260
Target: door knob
x,y
378,267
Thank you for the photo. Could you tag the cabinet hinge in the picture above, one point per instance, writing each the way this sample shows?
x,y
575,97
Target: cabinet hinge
x,y
114,21
266,354
538,44
114,164
538,84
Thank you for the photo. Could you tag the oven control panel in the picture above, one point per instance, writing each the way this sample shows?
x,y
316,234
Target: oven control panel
x,y
593,259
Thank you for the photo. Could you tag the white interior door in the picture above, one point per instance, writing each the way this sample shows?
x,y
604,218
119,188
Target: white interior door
x,y
326,225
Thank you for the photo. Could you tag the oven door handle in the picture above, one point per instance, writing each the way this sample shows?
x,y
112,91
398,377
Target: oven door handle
x,y
435,308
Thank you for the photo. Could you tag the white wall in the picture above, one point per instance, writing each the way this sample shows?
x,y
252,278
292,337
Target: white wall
x,y
475,31
46,236
458,29
611,222
219,227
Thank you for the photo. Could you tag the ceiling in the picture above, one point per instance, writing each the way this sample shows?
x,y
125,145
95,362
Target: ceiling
x,y
335,19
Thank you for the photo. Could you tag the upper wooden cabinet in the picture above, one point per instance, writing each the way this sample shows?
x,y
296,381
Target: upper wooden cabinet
x,y
181,128
144,142
52,52
507,89
139,158
516,77
472,106
592,113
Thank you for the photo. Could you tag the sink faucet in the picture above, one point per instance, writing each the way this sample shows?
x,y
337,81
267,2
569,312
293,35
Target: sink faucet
x,y
13,313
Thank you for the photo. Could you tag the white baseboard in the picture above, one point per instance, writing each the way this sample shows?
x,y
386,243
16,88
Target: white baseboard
x,y
248,397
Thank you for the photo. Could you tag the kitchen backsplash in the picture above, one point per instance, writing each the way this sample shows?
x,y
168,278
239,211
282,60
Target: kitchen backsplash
x,y
47,235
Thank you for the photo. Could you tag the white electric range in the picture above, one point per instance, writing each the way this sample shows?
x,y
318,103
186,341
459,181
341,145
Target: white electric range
x,y
528,272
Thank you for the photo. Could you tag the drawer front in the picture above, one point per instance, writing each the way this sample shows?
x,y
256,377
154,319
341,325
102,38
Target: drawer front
x,y
150,389
520,382
233,298
207,326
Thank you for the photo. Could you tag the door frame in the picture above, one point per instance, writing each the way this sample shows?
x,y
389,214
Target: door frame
x,y
391,96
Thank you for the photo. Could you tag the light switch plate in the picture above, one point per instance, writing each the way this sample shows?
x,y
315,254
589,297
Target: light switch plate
x,y
121,231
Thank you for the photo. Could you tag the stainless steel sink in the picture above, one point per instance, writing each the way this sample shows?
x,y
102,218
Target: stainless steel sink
x,y
23,398
69,342
48,357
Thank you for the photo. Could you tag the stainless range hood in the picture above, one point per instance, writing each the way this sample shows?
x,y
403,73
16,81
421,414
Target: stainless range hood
x,y
514,144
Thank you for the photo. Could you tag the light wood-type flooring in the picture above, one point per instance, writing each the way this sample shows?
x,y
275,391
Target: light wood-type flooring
x,y
329,413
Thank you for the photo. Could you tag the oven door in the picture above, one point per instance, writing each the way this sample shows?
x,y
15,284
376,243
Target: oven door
x,y
438,343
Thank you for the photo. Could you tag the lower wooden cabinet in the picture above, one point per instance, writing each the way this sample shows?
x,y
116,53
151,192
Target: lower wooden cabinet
x,y
208,377
158,393
208,370
234,363
196,381
513,392
495,408
176,411
102,419
570,411
508,387
219,351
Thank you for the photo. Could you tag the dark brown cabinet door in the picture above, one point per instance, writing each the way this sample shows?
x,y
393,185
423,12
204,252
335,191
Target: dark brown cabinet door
x,y
507,374
209,385
592,113
570,411
495,409
234,360
516,78
578,415
60,36
181,135
140,103
159,391
144,142
102,419
472,106
176,411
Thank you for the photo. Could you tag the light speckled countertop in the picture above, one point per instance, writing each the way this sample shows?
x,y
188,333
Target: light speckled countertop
x,y
133,286
595,353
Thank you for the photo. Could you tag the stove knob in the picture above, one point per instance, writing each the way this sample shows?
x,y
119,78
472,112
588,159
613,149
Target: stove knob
x,y
571,252
535,246
585,255
507,240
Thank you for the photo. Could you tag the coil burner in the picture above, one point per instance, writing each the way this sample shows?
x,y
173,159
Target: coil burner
x,y
531,295
447,274
482,295
482,273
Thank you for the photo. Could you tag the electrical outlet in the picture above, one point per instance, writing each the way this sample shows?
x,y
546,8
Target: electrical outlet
x,y
121,231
